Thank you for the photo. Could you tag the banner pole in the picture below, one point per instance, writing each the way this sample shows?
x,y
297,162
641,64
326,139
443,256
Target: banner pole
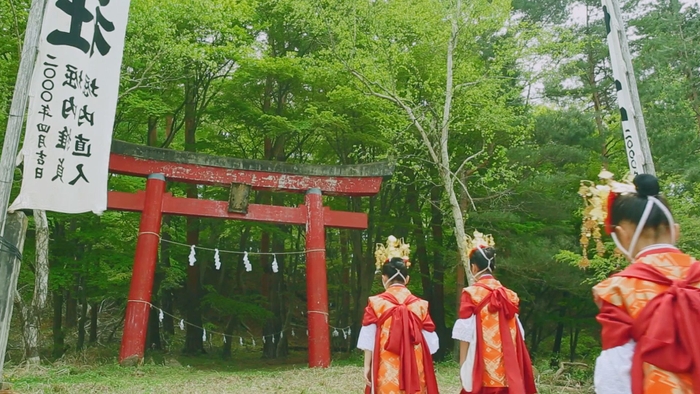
x,y
20,97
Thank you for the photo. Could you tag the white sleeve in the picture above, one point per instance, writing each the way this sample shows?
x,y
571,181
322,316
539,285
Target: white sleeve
x,y
433,341
613,370
520,326
465,330
365,341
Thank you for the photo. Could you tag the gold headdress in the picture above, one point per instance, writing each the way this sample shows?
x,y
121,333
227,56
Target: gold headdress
x,y
393,248
478,241
598,200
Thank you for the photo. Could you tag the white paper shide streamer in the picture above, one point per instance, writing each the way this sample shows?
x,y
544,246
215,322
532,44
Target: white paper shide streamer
x,y
217,259
182,325
246,262
275,266
193,256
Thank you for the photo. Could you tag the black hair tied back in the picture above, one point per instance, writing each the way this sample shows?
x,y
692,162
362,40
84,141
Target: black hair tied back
x,y
396,264
630,207
484,260
647,185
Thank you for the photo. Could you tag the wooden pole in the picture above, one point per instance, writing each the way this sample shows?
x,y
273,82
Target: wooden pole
x,y
10,261
616,26
19,106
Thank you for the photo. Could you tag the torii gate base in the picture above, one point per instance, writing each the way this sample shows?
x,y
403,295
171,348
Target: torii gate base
x,y
154,202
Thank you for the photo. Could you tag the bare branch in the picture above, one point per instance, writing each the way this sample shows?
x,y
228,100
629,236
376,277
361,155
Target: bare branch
x,y
464,187
468,159
409,111
140,81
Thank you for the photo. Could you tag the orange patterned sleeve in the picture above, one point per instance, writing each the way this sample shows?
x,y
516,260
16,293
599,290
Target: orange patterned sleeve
x,y
610,291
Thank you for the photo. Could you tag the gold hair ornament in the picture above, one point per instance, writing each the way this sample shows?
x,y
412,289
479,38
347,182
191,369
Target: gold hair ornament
x,y
479,240
394,248
598,200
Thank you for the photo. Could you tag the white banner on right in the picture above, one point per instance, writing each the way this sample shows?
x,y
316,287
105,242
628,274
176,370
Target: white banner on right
x,y
633,146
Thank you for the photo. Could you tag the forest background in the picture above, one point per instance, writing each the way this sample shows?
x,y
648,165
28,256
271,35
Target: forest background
x,y
492,110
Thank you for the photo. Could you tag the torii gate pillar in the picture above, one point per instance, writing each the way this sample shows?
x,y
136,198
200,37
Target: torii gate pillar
x,y
316,284
138,306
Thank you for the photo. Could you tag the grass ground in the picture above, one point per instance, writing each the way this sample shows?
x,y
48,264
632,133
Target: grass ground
x,y
208,375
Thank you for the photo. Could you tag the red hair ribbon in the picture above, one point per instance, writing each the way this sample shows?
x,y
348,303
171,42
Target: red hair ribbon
x,y
471,252
608,217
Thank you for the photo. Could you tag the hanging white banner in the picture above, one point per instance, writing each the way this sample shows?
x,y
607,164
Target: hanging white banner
x,y
635,156
72,104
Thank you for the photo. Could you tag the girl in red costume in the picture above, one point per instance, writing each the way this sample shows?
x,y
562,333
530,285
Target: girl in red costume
x,y
397,335
650,311
493,357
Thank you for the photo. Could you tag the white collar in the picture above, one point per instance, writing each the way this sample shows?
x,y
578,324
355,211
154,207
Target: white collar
x,y
655,247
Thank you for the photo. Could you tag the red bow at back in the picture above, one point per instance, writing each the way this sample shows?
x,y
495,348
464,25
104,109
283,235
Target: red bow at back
x,y
499,302
404,335
665,330
515,357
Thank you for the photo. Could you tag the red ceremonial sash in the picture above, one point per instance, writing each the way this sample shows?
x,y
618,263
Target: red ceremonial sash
x,y
404,334
516,358
665,331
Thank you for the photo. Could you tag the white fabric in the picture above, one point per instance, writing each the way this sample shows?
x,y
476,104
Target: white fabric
x,y
72,104
368,334
520,327
365,341
613,370
465,330
433,341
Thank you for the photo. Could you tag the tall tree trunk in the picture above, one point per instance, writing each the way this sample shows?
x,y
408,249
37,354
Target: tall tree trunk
x,y
364,264
226,351
595,94
193,340
166,295
421,256
558,336
344,312
82,321
274,346
152,131
59,343
153,335
31,314
573,342
437,303
71,308
72,291
94,315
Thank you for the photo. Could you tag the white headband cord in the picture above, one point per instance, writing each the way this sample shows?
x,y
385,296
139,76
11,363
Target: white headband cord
x,y
642,221
398,273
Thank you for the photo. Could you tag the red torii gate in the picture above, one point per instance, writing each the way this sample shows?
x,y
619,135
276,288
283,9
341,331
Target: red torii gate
x,y
241,175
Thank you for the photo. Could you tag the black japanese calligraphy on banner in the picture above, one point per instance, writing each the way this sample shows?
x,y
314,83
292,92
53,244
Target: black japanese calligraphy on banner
x,y
73,100
633,146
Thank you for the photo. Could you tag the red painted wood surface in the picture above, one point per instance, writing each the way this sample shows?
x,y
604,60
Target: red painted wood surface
x,y
134,202
189,173
317,282
137,309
